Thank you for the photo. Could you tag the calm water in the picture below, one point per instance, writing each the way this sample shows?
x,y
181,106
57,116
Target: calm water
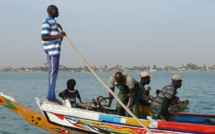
x,y
24,87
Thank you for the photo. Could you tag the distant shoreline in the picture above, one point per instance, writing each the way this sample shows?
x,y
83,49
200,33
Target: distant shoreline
x,y
188,68
105,71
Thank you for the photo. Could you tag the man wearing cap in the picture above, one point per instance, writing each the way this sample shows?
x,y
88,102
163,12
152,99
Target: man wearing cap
x,y
144,98
128,92
161,103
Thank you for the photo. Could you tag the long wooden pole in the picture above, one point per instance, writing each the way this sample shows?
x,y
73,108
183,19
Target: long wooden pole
x,y
99,79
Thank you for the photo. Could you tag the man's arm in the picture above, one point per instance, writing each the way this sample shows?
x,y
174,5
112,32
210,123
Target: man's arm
x,y
164,107
131,99
54,37
62,95
130,82
111,97
60,27
79,97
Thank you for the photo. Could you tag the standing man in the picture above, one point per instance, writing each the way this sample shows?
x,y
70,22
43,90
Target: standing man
x,y
51,40
161,103
144,105
128,92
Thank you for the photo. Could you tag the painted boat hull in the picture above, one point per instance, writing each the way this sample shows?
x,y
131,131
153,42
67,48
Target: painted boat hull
x,y
194,118
83,123
100,127
180,117
34,118
109,123
79,127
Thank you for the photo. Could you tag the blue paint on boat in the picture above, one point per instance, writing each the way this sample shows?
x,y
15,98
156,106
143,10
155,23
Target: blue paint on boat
x,y
189,119
199,120
110,119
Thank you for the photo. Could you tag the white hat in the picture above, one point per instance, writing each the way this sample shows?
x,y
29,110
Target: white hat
x,y
145,74
176,77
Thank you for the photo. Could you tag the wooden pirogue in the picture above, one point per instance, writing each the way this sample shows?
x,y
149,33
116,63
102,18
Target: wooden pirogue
x,y
62,119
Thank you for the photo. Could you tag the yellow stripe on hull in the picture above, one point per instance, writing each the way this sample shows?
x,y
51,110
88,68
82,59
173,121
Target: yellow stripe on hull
x,y
134,122
114,128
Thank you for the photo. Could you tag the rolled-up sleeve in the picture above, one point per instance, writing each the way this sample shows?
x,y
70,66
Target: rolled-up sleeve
x,y
112,81
129,82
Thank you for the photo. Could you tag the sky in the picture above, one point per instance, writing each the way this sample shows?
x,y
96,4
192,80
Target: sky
x,y
112,32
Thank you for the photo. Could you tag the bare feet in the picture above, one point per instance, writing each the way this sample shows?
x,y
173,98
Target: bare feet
x,y
56,102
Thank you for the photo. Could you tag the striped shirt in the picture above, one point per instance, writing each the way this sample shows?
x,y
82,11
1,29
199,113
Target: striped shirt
x,y
49,27
167,91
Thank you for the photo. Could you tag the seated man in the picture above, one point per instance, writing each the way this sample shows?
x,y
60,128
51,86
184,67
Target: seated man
x,y
164,99
145,97
128,92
